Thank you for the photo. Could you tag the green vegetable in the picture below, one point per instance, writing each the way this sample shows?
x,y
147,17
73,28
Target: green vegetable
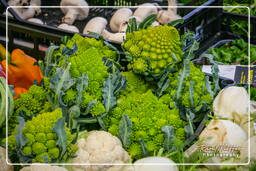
x,y
150,50
193,94
41,139
148,115
29,104
234,52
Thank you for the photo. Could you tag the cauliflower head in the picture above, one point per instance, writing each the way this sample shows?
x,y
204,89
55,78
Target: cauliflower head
x,y
148,115
41,144
195,79
152,49
43,168
100,147
3,158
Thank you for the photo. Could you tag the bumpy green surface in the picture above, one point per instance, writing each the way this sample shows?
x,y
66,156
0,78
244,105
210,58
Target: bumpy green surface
x,y
41,140
88,60
200,93
152,49
148,115
31,104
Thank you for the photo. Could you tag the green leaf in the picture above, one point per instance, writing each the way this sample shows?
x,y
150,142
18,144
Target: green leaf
x,y
189,129
208,86
176,22
147,22
102,124
111,88
132,25
73,114
181,78
49,60
65,39
143,148
82,82
20,139
125,131
169,138
191,93
61,134
69,51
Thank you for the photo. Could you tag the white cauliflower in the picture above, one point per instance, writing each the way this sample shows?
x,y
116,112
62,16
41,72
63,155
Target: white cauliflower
x,y
100,147
3,165
43,168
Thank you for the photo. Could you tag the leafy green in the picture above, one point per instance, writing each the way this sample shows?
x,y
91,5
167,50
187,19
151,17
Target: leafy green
x,y
61,134
125,131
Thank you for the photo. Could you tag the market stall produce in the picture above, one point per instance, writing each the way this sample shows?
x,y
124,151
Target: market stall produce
x,y
96,105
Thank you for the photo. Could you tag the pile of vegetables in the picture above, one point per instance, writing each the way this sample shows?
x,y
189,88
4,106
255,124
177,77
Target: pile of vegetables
x,y
88,104
235,52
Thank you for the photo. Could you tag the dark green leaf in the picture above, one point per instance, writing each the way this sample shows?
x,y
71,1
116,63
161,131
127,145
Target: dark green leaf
x,y
132,25
89,107
49,60
189,129
82,82
208,86
112,86
147,22
125,131
61,134
176,22
112,47
102,124
143,148
21,140
69,51
169,138
65,39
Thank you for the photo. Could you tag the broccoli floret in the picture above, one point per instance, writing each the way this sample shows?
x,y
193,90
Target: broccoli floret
x,y
148,115
152,49
41,145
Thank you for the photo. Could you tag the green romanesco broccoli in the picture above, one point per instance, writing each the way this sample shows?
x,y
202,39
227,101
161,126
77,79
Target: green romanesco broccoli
x,y
30,104
148,115
152,49
195,81
88,60
41,145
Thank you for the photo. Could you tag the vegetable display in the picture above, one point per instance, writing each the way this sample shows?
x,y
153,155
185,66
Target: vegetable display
x,y
94,105
235,52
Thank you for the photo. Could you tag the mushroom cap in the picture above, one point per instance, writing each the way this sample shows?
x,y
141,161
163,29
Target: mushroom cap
x,y
65,26
120,17
82,8
35,20
96,24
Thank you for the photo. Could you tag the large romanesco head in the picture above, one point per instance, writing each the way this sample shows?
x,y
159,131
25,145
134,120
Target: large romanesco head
x,y
196,84
41,145
148,115
152,49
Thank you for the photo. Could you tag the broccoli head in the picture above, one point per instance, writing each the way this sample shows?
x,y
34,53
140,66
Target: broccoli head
x,y
152,49
41,145
148,115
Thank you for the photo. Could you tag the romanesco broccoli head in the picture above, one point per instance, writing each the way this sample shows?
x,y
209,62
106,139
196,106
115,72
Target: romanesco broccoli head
x,y
148,115
41,142
194,82
152,49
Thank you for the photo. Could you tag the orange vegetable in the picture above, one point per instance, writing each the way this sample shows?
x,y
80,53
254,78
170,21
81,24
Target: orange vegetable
x,y
18,91
22,71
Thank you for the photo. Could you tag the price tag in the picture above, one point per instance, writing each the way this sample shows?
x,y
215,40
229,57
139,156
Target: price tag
x,y
242,74
237,73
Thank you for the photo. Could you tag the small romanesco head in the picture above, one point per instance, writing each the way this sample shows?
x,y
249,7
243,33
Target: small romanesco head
x,y
148,115
41,142
152,49
195,79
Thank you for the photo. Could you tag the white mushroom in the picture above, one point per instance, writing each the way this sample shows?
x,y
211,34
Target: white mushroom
x,y
98,25
144,10
167,16
232,103
35,20
119,20
65,26
77,13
